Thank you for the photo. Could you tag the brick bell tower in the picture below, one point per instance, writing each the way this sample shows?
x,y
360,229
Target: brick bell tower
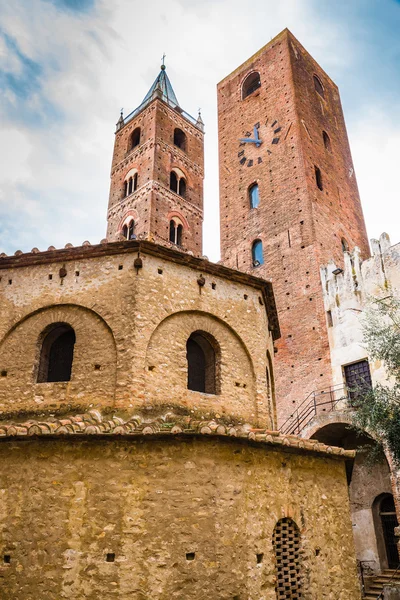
x,y
157,173
289,200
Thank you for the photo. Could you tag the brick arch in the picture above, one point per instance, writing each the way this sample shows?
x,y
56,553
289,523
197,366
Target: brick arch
x,y
178,167
95,345
175,213
323,420
166,366
129,213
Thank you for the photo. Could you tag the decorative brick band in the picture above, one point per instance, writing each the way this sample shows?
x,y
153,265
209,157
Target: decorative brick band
x,y
93,423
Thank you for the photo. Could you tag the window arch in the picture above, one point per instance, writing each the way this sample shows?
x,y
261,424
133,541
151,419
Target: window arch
x,y
128,230
175,231
134,139
202,353
318,178
56,353
250,84
327,141
254,197
180,139
257,253
345,245
130,183
286,541
319,88
177,182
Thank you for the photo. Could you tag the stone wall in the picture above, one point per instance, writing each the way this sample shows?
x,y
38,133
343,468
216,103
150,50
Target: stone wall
x,y
168,518
131,326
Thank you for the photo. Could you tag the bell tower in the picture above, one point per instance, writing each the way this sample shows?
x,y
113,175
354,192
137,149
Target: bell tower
x,y
157,173
289,200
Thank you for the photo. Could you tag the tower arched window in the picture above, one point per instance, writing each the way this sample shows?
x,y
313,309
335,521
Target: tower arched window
x,y
175,231
319,88
56,353
128,230
327,141
251,84
130,183
318,178
202,353
287,541
134,139
180,139
345,245
254,196
257,253
177,182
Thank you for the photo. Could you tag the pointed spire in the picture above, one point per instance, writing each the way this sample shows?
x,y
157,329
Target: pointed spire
x,y
120,122
162,88
200,122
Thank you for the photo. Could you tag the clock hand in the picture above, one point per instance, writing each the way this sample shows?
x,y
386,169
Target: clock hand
x,y
250,140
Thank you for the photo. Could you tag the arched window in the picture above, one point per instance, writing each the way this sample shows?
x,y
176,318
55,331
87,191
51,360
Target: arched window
x,y
257,253
251,84
327,141
180,139
318,178
345,245
134,139
177,183
319,88
131,182
125,231
175,231
56,354
286,542
201,357
253,195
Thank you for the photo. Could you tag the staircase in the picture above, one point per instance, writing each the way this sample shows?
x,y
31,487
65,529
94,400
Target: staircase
x,y
375,584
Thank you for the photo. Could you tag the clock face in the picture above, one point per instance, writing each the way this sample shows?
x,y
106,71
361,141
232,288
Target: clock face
x,y
254,146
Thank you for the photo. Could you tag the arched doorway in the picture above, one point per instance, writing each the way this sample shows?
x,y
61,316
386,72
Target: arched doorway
x,y
385,521
367,475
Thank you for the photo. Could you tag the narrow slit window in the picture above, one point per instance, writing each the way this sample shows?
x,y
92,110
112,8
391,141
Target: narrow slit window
x,y
318,178
319,88
254,195
257,253
327,141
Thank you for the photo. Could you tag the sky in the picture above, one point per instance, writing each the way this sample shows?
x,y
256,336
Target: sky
x,y
67,67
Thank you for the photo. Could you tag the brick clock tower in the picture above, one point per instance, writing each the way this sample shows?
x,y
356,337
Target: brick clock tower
x,y
289,200
157,173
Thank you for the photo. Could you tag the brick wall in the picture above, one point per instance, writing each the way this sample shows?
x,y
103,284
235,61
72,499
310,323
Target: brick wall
x,y
300,226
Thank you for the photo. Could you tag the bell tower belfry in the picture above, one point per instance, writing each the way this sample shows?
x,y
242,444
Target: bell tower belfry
x,y
157,173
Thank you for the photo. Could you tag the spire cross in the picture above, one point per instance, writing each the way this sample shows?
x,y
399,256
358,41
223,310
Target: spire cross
x,y
163,59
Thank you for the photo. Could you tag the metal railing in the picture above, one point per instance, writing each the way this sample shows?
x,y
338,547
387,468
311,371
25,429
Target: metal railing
x,y
316,402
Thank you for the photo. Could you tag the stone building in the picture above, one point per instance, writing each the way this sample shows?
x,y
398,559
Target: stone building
x,y
142,387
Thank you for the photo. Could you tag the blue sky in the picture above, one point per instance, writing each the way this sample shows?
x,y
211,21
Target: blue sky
x,y
68,66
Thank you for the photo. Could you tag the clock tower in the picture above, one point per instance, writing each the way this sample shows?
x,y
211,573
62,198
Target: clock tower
x,y
289,200
156,189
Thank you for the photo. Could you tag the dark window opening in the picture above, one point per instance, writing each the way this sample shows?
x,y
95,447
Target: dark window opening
x,y
130,185
7,559
286,542
131,230
251,84
190,555
175,232
329,318
319,88
257,253
202,363
327,141
173,182
110,557
358,379
318,178
182,187
180,139
254,196
134,139
345,245
125,231
260,558
57,354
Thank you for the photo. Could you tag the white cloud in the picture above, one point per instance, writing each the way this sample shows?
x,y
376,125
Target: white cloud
x,y
57,169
